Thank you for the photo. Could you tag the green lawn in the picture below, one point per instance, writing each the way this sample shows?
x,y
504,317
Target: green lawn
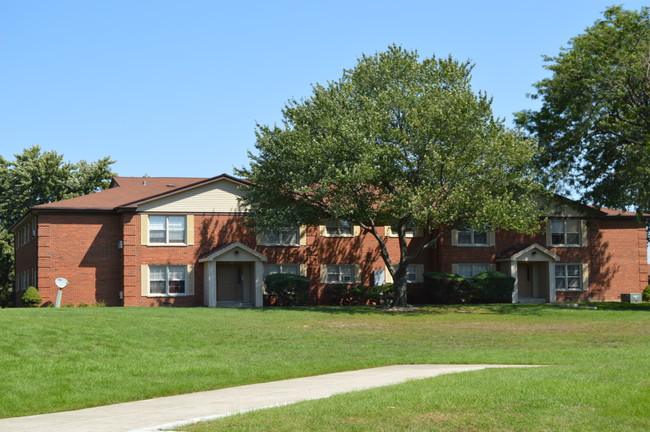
x,y
54,360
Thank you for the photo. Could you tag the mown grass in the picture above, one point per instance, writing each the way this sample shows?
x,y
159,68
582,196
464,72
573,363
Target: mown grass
x,y
54,360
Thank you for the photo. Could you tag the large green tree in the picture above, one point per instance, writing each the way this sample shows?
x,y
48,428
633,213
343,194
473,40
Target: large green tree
x,y
594,122
396,141
37,177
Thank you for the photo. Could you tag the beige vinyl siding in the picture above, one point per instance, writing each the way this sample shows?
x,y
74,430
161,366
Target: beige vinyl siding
x,y
218,197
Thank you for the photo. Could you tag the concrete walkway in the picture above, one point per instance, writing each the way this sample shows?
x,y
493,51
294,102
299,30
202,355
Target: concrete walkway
x,y
175,411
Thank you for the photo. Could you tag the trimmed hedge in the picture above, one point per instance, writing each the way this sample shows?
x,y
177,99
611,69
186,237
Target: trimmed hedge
x,y
448,288
486,287
493,287
32,297
289,289
347,295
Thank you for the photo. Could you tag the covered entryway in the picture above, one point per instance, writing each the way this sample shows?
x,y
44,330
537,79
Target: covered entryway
x,y
233,276
532,267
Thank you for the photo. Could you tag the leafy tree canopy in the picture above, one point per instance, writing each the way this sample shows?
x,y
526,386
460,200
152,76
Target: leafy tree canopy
x,y
594,123
37,177
396,141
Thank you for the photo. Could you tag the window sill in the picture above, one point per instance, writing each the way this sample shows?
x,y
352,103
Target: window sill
x,y
167,244
569,290
565,246
166,295
337,235
474,245
280,245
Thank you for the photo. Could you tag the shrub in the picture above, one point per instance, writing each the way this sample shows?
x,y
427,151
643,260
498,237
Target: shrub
x,y
646,293
290,290
449,288
347,295
32,297
493,287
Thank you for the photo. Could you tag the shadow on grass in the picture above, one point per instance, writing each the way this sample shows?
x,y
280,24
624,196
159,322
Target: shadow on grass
x,y
473,309
418,310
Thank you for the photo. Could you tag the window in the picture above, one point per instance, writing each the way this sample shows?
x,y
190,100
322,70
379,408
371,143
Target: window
x,y
568,277
409,230
281,268
343,274
167,229
411,274
471,270
167,280
338,228
565,232
414,273
283,237
470,237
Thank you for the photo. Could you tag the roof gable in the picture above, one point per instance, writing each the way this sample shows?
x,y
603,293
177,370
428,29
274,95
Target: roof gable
x,y
217,195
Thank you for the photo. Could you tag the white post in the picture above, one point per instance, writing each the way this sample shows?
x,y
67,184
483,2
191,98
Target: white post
x,y
59,294
513,273
212,284
259,281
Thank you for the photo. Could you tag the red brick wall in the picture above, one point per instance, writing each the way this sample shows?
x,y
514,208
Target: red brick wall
x,y
26,259
211,231
82,248
616,253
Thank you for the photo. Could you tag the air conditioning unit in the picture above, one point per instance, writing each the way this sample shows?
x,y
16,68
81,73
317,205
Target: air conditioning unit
x,y
631,298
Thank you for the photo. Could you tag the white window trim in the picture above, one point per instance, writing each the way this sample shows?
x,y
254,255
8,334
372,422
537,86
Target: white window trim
x,y
455,234
299,268
582,234
189,281
584,278
356,274
455,268
418,269
189,231
413,233
302,238
355,230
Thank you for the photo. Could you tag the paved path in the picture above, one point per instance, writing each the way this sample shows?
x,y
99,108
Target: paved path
x,y
174,411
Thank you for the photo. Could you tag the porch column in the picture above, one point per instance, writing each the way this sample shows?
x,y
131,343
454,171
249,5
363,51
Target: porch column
x,y
551,282
514,273
259,281
212,283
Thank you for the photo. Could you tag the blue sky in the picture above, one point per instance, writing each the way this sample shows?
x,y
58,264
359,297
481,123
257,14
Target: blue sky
x,y
175,88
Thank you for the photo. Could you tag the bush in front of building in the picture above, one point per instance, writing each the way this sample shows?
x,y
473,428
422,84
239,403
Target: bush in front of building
x,y
288,289
348,295
486,287
646,293
449,288
32,297
493,287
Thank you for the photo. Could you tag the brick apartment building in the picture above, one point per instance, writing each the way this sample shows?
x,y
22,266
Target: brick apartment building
x,y
182,241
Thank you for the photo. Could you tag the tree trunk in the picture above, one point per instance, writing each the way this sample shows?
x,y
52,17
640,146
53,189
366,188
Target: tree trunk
x,y
399,285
